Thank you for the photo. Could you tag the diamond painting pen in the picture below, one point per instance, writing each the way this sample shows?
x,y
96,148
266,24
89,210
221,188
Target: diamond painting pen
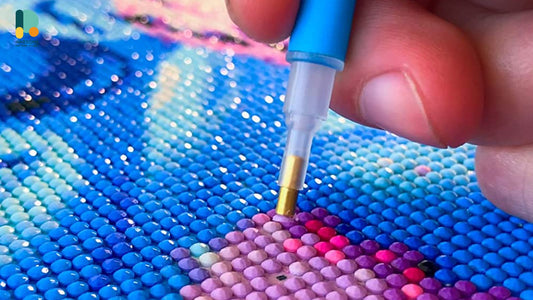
x,y
317,49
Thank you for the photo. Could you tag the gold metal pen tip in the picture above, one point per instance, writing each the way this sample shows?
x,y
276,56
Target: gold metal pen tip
x,y
292,174
286,201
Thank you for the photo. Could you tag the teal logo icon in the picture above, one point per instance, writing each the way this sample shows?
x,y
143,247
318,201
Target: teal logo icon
x,y
26,21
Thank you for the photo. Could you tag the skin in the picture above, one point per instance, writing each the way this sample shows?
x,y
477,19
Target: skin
x,y
470,61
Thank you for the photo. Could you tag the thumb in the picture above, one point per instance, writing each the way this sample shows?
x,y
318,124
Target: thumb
x,y
411,73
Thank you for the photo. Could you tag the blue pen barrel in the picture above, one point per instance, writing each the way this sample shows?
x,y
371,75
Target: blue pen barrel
x,y
322,32
316,51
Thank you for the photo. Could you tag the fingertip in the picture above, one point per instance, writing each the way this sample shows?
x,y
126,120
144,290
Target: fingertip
x,y
266,21
410,73
504,174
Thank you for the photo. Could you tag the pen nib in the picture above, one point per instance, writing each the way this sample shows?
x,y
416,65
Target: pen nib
x,y
286,201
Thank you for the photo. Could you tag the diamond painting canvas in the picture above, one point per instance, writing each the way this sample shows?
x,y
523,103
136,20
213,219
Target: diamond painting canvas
x,y
140,145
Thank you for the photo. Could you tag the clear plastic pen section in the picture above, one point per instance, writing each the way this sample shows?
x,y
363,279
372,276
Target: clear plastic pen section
x,y
306,106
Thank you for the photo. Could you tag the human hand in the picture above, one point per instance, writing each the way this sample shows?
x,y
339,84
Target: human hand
x,y
437,72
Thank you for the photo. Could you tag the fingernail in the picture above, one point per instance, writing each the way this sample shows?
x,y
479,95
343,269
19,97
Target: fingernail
x,y
391,101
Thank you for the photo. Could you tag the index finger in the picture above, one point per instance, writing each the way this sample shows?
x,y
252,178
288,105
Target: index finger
x,y
266,21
